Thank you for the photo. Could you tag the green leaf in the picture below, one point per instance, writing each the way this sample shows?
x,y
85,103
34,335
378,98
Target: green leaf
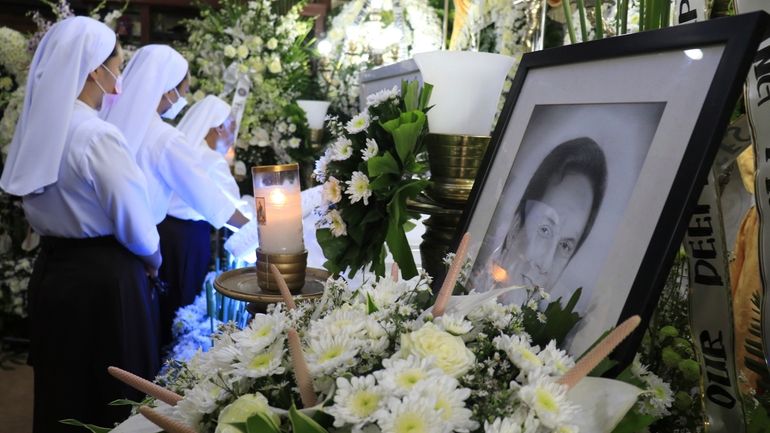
x,y
559,321
261,423
633,422
385,164
90,427
412,96
125,402
371,307
302,423
427,90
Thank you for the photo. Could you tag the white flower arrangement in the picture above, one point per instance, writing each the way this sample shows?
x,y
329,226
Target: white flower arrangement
x,y
249,40
373,358
368,34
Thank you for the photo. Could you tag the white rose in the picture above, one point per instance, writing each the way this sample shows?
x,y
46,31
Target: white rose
x,y
275,66
272,44
449,352
243,408
230,51
243,52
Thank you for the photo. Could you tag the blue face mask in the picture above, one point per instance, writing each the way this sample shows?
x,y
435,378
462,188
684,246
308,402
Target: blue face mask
x,y
176,107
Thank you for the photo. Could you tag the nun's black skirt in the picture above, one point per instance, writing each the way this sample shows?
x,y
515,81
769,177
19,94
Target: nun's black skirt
x,y
90,307
186,249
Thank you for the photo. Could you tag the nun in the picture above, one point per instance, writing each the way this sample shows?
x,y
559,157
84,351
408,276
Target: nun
x,y
185,234
90,301
156,82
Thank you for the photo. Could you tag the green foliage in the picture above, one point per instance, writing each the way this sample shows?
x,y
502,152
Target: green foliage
x,y
90,427
360,230
302,423
558,321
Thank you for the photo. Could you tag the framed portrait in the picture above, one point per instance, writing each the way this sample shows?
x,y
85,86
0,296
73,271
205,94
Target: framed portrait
x,y
596,163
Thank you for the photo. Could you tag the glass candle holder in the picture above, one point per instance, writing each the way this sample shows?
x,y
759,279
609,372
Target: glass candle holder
x,y
279,208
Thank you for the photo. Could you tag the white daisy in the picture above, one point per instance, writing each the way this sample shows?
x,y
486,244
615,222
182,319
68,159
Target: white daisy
x,y
336,223
342,149
358,188
355,401
358,123
660,396
199,400
378,98
332,191
520,352
548,400
321,166
330,354
371,149
385,292
556,362
261,363
400,376
413,414
261,332
502,425
340,321
450,401
638,369
454,324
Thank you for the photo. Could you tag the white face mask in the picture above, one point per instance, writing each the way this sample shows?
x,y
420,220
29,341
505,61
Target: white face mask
x,y
176,107
108,99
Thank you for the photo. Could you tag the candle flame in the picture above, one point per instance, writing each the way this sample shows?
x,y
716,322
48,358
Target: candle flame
x,y
277,197
498,273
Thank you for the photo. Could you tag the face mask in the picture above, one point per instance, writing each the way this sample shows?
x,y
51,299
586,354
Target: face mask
x,y
176,107
109,99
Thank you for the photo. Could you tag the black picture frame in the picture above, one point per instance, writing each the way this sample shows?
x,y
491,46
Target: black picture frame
x,y
740,35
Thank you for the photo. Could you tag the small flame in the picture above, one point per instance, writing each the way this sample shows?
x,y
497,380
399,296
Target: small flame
x,y
277,197
498,273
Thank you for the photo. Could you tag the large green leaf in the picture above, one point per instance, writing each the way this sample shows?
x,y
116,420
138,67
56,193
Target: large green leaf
x,y
261,423
559,321
378,165
302,423
406,130
634,422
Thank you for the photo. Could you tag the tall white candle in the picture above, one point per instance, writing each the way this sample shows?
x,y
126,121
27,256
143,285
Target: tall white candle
x,y
279,213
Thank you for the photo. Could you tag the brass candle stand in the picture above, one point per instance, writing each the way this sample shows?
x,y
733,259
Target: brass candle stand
x,y
291,266
454,163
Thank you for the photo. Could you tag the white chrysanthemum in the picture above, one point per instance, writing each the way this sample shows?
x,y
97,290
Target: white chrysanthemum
x,y
638,369
454,324
332,191
502,425
358,188
519,351
383,95
371,149
413,414
548,400
336,223
376,340
355,401
220,357
494,312
342,149
331,353
450,401
400,376
321,166
385,292
261,363
346,321
201,399
556,362
358,123
261,332
660,396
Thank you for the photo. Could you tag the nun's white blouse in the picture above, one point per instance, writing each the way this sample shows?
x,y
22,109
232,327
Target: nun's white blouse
x,y
219,173
171,166
100,190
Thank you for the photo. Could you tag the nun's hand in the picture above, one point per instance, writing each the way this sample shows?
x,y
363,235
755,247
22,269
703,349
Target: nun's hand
x,y
152,263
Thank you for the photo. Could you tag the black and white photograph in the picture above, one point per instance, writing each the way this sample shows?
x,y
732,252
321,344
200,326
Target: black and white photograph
x,y
564,197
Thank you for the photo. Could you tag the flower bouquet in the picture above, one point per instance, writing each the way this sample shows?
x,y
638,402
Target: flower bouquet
x,y
379,358
368,173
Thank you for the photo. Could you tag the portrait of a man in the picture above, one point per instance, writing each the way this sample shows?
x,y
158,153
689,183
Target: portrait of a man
x,y
562,202
553,217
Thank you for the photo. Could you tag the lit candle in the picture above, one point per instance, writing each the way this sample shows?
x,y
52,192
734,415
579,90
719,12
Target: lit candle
x,y
279,208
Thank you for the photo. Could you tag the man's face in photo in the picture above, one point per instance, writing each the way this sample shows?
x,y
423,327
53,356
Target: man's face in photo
x,y
539,249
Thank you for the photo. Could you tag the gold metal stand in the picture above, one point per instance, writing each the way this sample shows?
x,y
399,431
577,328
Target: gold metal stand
x,y
291,266
454,162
